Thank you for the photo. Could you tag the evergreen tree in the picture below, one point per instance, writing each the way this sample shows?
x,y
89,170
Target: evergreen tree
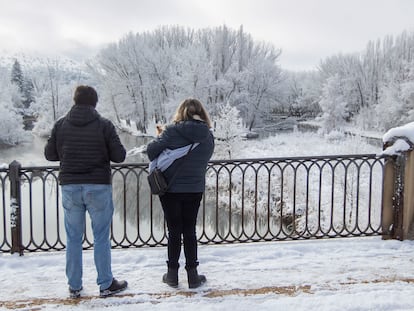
x,y
27,96
25,86
17,75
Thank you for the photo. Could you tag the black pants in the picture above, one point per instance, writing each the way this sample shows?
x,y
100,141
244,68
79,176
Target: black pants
x,y
180,211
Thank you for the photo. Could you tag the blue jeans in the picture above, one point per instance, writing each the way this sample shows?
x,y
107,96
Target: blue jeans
x,y
97,200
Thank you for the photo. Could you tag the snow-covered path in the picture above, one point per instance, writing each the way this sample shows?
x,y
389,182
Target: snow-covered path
x,y
341,274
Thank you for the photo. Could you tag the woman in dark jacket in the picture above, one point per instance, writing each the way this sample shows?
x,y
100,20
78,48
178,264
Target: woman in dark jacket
x,y
191,124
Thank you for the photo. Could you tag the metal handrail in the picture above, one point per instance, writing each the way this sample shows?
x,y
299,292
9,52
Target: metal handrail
x,y
246,200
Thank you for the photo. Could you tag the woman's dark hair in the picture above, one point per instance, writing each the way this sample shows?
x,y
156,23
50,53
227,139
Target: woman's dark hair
x,y
85,95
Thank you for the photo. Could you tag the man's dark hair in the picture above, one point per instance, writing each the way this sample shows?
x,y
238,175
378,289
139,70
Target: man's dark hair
x,y
85,95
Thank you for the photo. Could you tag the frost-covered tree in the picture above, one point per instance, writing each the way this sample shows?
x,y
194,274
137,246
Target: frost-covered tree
x,y
333,105
24,86
348,70
123,66
389,109
28,96
17,74
407,95
46,119
17,80
300,93
153,71
54,83
261,87
376,84
194,70
11,126
11,122
228,128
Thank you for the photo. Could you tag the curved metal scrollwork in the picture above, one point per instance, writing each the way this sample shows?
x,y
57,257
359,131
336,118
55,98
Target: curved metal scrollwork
x,y
246,200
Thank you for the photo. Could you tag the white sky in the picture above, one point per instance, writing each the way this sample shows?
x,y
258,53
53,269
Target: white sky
x,y
305,30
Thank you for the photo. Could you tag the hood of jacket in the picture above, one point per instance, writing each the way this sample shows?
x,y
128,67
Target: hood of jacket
x,y
81,115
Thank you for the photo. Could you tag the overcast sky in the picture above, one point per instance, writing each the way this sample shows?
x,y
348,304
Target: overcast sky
x,y
306,30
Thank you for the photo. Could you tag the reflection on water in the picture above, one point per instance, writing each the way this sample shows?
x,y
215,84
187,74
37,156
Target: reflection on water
x,y
131,142
42,214
30,153
144,217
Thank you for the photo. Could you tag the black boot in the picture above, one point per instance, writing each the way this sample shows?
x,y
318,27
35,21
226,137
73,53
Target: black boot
x,y
194,279
171,277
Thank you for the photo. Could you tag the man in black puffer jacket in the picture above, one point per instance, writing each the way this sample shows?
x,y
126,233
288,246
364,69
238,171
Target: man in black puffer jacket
x,y
85,143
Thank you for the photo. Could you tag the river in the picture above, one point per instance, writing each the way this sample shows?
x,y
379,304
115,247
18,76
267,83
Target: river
x,y
138,216
132,213
30,153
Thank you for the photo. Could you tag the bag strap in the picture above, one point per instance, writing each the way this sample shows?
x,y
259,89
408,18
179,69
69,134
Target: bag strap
x,y
181,160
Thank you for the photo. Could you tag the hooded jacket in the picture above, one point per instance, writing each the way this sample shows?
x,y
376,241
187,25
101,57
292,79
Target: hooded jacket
x,y
84,143
191,170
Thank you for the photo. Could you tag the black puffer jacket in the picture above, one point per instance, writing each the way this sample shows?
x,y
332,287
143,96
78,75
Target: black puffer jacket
x,y
84,143
190,171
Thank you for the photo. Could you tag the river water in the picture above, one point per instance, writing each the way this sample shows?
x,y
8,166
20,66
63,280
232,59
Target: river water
x,y
40,218
30,153
138,215
132,217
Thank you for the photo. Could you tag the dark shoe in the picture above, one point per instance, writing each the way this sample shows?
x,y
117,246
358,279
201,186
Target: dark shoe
x,y
75,293
116,287
171,277
194,279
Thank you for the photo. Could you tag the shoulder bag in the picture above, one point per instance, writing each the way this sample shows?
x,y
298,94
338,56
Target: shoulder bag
x,y
156,179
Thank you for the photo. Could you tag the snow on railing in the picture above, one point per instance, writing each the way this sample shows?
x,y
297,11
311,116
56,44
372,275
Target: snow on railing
x,y
399,139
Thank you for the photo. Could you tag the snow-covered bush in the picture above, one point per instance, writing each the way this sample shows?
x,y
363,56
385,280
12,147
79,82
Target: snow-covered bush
x,y
390,108
11,122
228,127
311,196
368,119
333,105
11,126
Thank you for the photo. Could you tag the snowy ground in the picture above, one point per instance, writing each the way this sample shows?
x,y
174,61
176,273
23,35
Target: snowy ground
x,y
341,274
326,275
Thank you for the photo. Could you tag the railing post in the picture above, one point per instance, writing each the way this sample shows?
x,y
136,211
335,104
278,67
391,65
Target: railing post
x,y
15,207
388,199
398,195
407,217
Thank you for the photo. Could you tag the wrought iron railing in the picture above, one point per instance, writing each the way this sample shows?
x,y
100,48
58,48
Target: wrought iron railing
x,y
245,200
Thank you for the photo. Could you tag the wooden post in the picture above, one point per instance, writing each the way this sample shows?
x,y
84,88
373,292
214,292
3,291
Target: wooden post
x,y
387,200
398,195
408,211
